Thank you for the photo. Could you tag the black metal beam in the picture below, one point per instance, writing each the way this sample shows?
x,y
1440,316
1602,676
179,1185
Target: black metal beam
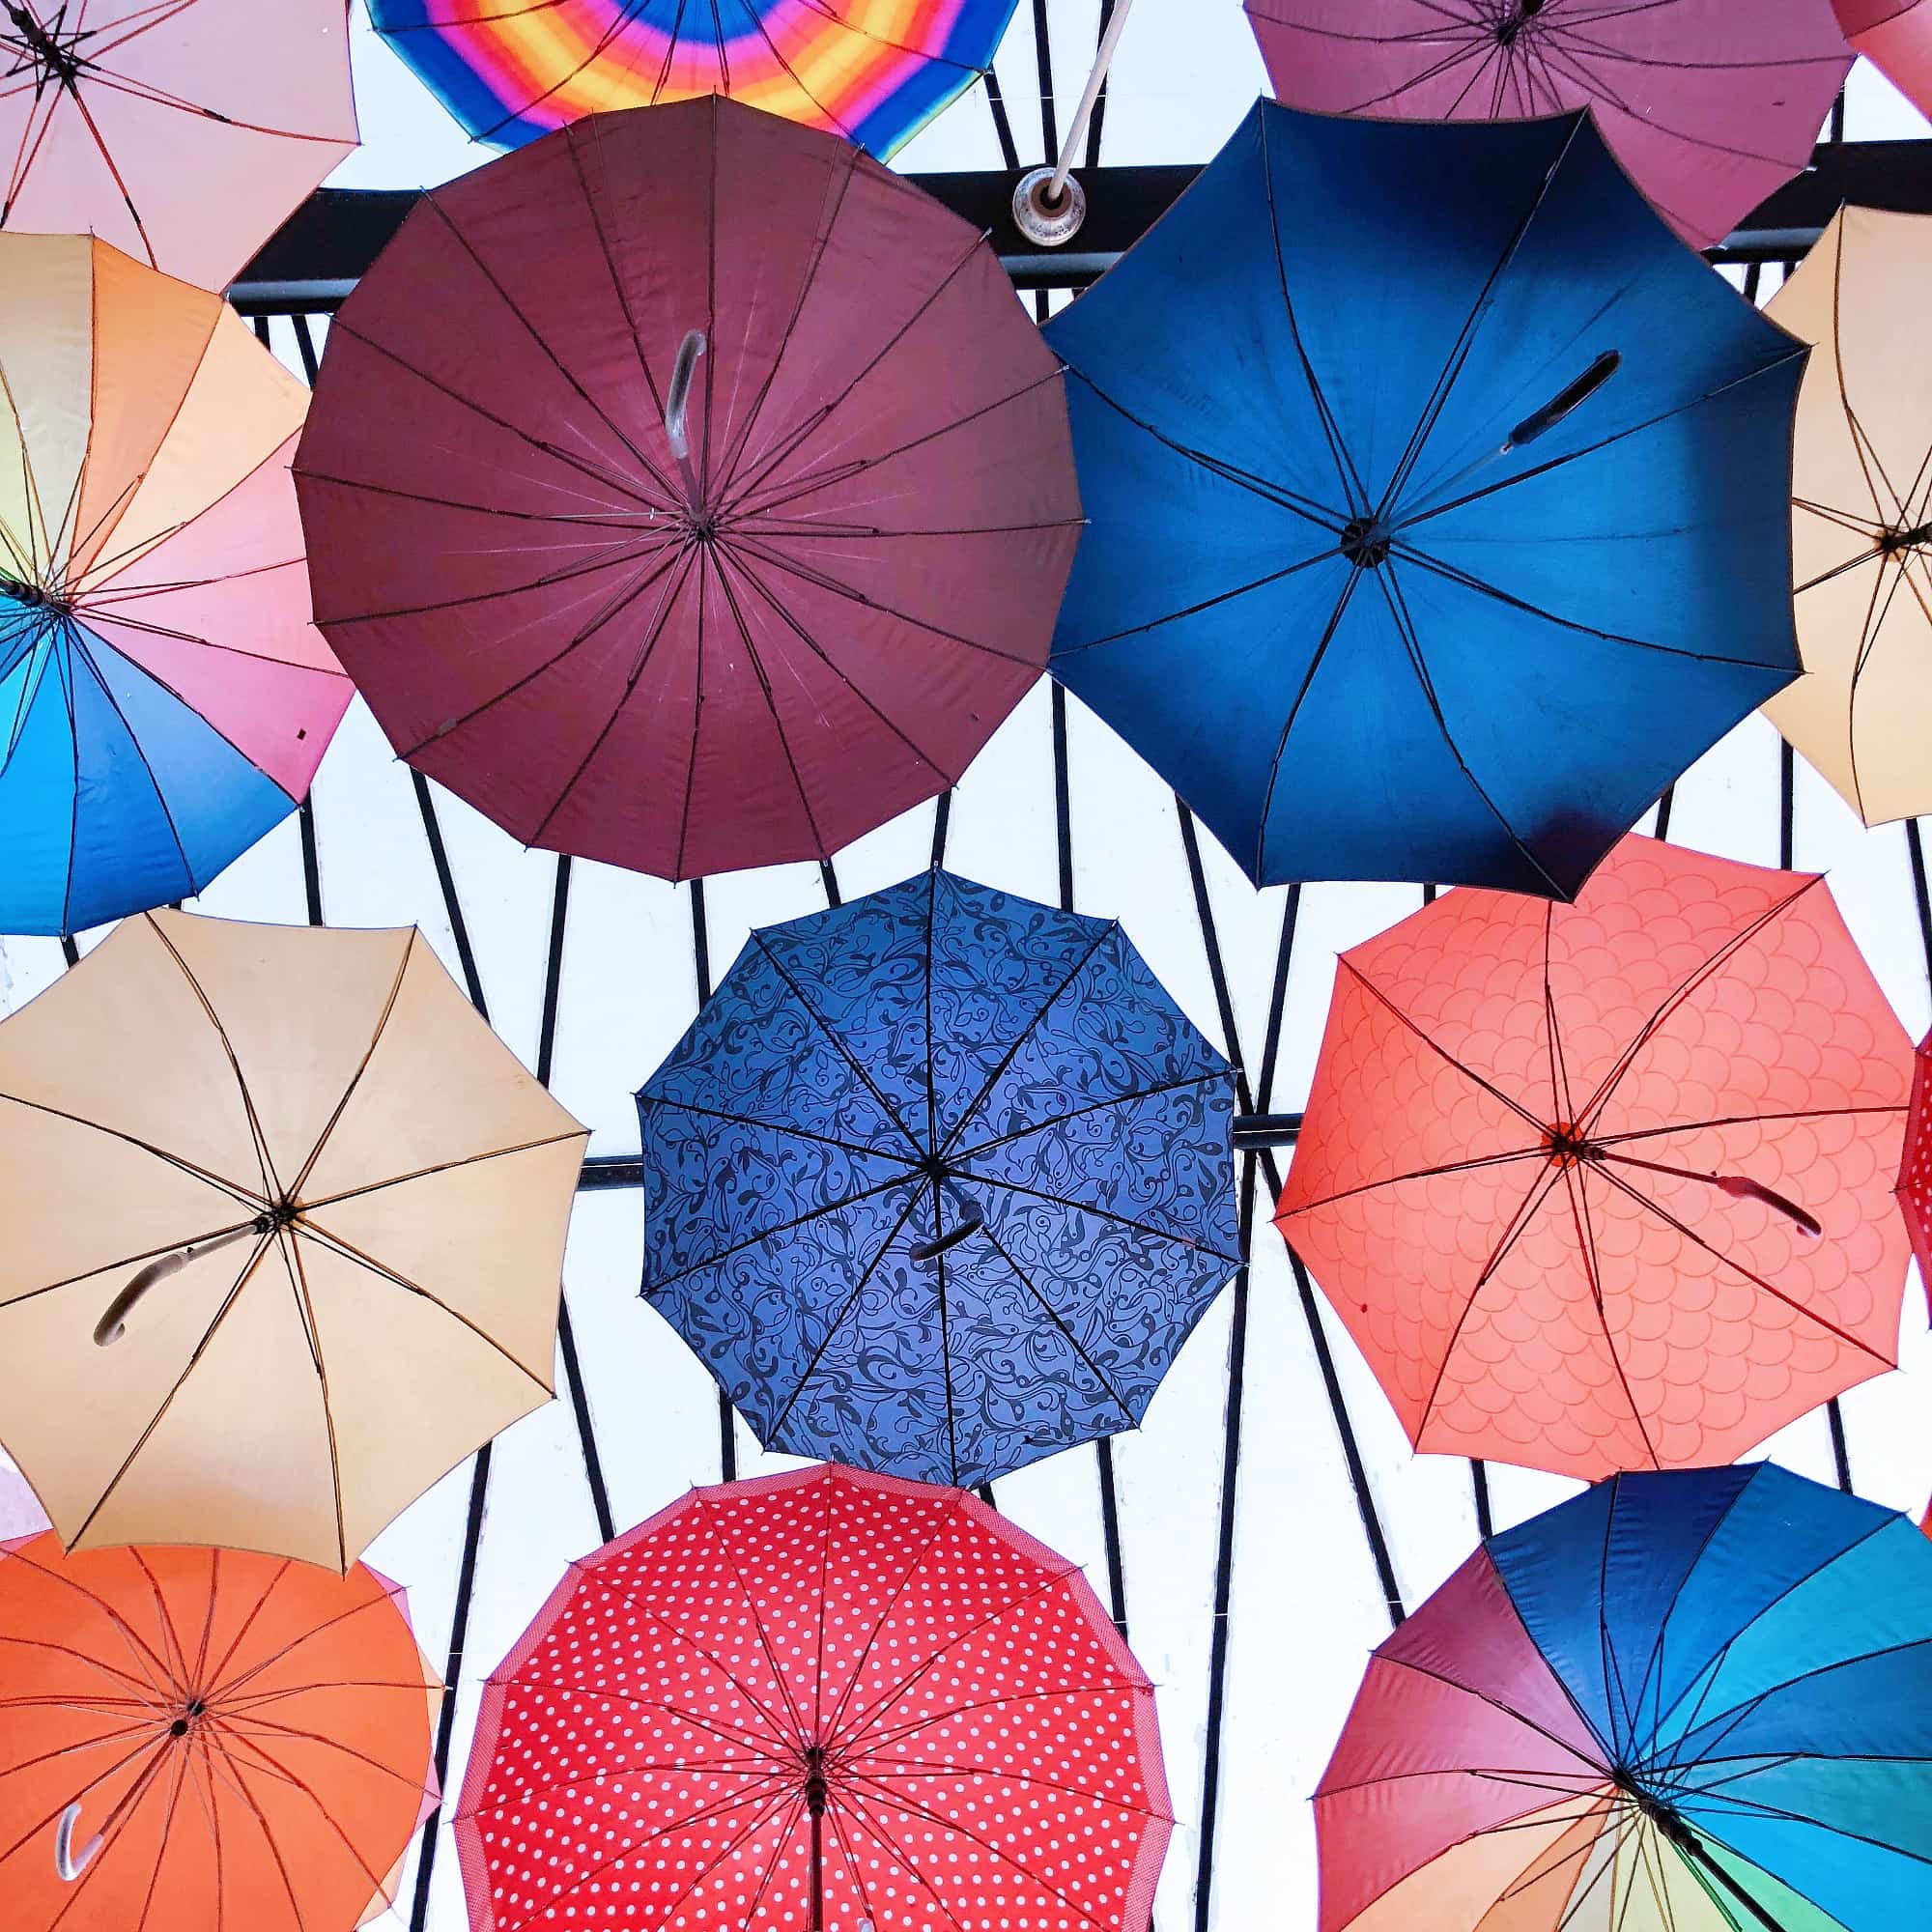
x,y
319,253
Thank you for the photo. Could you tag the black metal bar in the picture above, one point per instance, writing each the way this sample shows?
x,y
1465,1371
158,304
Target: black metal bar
x,y
69,952
1100,98
1915,846
1281,1129
479,1472
700,959
1003,125
1043,48
311,861
313,260
305,349
1479,1482
829,880
942,823
1663,805
1256,1131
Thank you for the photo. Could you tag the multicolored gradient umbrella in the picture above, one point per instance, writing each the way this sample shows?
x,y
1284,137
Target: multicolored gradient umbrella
x,y
205,1738
1708,106
284,1222
181,130
688,491
1438,496
1690,1702
1862,513
1896,36
939,1182
1609,1186
818,1700
873,70
164,699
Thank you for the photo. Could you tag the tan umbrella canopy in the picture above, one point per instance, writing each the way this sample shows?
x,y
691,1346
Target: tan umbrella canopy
x,y
1862,516
322,1204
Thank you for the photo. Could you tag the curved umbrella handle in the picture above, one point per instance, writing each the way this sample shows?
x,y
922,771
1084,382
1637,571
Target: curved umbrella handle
x,y
1741,1188
113,1323
970,1223
66,1864
677,399
1571,396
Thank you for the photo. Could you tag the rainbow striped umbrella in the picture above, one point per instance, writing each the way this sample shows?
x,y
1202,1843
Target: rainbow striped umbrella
x,y
873,70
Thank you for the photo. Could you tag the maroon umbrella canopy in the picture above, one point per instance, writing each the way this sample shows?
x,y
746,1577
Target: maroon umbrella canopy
x,y
750,649
1709,104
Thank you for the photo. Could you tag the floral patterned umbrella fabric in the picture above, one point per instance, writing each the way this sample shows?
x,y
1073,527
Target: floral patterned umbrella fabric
x,y
937,1182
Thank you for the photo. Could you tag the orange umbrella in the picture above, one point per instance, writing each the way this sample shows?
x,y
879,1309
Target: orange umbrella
x,y
1608,1185
1861,515
182,131
206,1739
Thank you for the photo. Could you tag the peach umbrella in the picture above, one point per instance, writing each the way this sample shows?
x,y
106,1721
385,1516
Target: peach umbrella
x,y
1861,515
181,130
205,1738
284,1230
1608,1185
164,699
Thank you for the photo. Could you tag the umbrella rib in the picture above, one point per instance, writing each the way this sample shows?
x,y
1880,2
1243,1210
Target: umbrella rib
x,y
846,1052
757,1622
1561,1100
1539,1152
1875,617
850,1801
650,1099
913,1767
1587,1238
1405,625
444,1167
944,1347
1598,1765
349,1252
763,1769
143,1684
789,444
216,1748
146,92
625,521
1594,1108
175,1661
664,1281
167,1401
611,478
290,1251
878,1745
954,1510
1108,1214
1513,1228
1108,931
763,1747
838,1321
806,484
617,288
341,1106
126,1260
1213,1077
1354,491
1737,1267
1844,520
1220,597
1588,1784
232,1727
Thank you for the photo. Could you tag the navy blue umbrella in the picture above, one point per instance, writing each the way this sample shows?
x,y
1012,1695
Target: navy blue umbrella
x,y
1438,500
938,1182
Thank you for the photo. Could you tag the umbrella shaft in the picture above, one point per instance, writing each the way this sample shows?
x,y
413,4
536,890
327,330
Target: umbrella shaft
x,y
817,1868
1693,1847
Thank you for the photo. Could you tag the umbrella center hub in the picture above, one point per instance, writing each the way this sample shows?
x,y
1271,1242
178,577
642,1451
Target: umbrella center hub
x,y
277,1215
1903,538
37,596
49,51
186,1723
1365,542
1513,23
1566,1145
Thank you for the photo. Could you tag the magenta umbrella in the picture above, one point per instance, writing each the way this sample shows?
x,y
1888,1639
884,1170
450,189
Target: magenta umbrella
x,y
1710,104
687,490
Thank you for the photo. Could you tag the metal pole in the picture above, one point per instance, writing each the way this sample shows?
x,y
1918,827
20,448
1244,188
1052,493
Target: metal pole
x,y
1076,132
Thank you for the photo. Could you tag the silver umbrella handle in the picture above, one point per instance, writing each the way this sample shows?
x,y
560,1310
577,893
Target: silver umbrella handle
x,y
65,1863
113,1323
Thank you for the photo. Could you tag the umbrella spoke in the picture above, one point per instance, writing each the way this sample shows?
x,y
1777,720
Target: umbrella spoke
x,y
1209,1079
791,1131
799,1730
1106,1214
308,1207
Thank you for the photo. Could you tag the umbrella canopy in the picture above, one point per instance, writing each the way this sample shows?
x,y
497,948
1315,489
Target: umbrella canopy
x,y
1896,36
1861,515
772,1705
688,615
1707,118
1914,1167
938,1182
211,1738
1608,1185
873,70
1438,500
1698,1701
118,116
163,698
284,1221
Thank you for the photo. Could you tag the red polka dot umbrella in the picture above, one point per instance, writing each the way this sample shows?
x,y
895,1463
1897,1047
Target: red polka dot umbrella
x,y
822,1699
1608,1185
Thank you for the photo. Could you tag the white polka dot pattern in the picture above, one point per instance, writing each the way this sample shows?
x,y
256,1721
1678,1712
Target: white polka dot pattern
x,y
988,1744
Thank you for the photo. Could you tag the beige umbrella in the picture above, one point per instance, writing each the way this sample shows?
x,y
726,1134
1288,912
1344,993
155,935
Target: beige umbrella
x,y
284,1223
1862,516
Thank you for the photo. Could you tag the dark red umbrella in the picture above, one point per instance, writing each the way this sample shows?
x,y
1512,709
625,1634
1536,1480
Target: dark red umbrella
x,y
819,1699
689,490
1709,104
1915,1169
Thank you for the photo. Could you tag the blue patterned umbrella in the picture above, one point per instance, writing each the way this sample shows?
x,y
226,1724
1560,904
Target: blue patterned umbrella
x,y
937,1182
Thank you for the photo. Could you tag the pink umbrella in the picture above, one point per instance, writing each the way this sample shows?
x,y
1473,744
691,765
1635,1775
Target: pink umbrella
x,y
181,130
688,491
1709,104
1896,36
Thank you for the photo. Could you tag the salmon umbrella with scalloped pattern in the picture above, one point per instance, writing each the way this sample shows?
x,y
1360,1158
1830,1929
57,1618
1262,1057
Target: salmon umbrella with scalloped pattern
x,y
822,1699
1608,1185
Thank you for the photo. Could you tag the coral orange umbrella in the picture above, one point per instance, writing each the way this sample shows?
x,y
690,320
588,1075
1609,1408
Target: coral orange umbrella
x,y
1608,1185
205,1738
1896,36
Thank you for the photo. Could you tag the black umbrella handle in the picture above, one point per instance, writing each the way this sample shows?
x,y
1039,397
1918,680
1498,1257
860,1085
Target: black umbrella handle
x,y
1571,395
969,1224
1693,1847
